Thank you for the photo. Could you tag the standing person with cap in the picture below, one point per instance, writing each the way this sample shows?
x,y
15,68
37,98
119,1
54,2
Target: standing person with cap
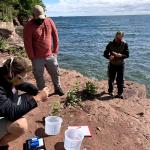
x,y
116,51
42,46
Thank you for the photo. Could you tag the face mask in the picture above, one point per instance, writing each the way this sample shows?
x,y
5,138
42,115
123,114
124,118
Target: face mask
x,y
39,21
118,40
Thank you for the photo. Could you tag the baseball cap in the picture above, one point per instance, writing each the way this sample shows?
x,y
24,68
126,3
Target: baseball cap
x,y
38,12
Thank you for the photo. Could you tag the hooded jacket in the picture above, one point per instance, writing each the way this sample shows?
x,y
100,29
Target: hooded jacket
x,y
121,48
12,105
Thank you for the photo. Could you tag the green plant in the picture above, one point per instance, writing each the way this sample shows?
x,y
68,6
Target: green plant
x,y
72,98
2,44
90,90
17,51
10,9
55,108
4,18
12,50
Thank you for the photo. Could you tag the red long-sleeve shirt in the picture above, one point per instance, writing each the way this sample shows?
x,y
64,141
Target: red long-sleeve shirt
x,y
40,41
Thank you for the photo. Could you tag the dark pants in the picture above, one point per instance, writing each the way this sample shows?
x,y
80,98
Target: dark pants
x,y
116,72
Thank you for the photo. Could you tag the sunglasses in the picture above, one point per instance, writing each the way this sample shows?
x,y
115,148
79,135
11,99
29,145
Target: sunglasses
x,y
22,77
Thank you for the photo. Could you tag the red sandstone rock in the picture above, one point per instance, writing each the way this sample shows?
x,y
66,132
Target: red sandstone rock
x,y
115,124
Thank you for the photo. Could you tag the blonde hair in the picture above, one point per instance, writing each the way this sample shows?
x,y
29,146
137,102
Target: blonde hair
x,y
119,33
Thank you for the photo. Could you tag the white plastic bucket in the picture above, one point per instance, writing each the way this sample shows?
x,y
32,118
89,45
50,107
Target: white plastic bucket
x,y
73,139
53,125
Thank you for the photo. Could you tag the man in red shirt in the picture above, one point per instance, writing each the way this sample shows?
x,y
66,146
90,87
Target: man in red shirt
x,y
42,46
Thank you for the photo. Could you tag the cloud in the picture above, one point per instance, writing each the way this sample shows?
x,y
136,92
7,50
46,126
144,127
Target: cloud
x,y
98,7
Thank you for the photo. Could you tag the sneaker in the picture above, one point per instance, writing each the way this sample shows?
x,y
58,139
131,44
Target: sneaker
x,y
119,96
59,92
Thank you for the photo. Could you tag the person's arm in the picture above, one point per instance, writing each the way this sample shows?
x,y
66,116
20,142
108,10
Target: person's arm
x,y
28,88
11,110
125,52
27,36
55,38
107,51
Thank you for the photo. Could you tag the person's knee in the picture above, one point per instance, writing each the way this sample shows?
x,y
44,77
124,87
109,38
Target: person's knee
x,y
19,127
119,81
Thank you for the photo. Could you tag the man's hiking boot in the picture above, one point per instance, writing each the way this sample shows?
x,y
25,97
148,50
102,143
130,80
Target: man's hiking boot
x,y
119,96
59,92
110,94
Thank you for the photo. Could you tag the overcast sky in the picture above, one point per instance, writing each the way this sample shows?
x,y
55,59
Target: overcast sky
x,y
96,7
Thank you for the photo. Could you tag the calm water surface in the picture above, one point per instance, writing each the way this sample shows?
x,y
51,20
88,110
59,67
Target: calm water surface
x,y
83,40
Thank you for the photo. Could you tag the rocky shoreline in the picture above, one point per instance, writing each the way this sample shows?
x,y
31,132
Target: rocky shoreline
x,y
115,124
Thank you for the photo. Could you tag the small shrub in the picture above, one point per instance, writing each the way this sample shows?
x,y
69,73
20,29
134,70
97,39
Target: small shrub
x,y
17,51
2,44
12,50
72,98
90,90
55,109
4,18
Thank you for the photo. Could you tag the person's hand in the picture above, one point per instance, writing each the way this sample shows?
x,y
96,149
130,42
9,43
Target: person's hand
x,y
55,55
42,95
46,90
117,55
111,57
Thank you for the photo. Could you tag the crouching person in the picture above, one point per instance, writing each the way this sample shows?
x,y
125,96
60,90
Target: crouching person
x,y
13,106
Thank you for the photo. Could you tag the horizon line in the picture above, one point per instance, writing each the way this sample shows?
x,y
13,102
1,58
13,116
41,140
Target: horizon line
x,y
104,15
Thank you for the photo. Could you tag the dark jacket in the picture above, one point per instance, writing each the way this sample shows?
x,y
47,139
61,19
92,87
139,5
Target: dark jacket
x,y
12,105
121,48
